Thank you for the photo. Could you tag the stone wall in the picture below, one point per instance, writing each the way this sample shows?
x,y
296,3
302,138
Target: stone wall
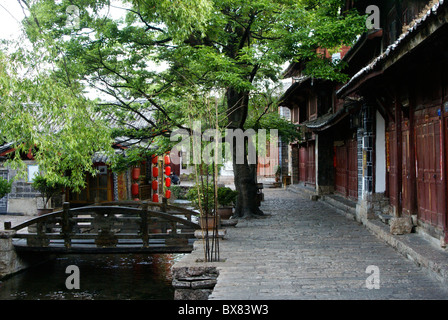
x,y
10,262
194,282
194,279
22,199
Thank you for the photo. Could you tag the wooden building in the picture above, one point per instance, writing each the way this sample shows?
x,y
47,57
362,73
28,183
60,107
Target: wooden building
x,y
386,129
405,90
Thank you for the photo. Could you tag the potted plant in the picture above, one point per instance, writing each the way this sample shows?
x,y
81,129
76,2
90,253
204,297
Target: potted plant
x,y
46,189
204,202
5,187
226,200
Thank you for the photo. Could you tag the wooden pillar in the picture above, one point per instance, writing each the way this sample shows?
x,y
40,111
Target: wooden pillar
x,y
412,156
66,224
144,224
398,154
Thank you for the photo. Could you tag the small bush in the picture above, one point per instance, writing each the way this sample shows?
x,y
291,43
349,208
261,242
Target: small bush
x,y
5,187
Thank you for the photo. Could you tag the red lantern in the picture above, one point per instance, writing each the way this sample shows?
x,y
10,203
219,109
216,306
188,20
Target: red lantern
x,y
135,173
134,189
168,182
167,170
155,197
168,194
154,185
155,171
167,159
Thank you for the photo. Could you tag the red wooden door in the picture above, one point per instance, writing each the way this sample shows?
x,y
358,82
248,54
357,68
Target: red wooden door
x,y
311,165
430,196
406,169
302,164
392,165
341,170
352,169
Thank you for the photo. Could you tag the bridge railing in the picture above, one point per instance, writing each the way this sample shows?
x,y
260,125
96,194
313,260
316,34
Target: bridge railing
x,y
110,225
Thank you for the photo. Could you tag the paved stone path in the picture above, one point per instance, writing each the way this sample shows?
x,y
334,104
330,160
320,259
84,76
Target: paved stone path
x,y
306,250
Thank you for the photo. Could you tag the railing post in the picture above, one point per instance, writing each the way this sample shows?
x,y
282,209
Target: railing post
x,y
7,225
164,203
66,224
144,224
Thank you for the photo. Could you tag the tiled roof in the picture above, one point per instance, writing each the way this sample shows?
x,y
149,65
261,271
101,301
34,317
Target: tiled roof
x,y
394,46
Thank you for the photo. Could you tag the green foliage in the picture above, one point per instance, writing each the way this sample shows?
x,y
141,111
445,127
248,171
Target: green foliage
x,y
177,192
202,196
226,196
46,187
219,46
5,187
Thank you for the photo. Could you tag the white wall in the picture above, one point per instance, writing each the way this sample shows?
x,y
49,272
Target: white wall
x,y
380,154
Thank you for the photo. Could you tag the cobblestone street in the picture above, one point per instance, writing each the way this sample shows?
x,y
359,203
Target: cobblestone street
x,y
306,250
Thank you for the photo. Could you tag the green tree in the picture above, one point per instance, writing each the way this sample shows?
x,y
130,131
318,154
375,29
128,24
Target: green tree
x,y
226,46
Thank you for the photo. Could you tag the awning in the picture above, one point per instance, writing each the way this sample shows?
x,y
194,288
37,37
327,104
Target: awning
x,y
330,119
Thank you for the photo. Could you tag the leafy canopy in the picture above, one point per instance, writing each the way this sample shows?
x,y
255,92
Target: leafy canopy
x,y
152,64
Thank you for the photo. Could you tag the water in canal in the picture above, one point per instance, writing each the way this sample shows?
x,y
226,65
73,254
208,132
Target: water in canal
x,y
101,277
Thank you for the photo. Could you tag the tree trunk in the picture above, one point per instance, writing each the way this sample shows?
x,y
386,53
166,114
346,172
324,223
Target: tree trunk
x,y
245,174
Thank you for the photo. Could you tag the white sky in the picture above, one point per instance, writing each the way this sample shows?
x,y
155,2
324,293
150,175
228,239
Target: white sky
x,y
10,16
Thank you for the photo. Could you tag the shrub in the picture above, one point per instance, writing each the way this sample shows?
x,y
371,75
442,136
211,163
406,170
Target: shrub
x,y
226,196
5,187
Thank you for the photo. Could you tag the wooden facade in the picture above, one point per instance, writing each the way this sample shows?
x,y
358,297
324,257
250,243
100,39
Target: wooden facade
x,y
408,87
386,129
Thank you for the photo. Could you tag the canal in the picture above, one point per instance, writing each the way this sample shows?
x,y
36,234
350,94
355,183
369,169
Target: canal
x,y
101,277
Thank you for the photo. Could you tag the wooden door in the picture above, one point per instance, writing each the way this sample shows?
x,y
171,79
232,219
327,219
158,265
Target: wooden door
x,y
430,198
341,170
392,164
302,164
311,165
352,169
406,187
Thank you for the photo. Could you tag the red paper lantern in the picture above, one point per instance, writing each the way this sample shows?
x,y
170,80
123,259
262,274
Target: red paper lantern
x,y
168,182
154,185
167,170
155,171
155,197
134,189
167,159
154,159
168,194
135,173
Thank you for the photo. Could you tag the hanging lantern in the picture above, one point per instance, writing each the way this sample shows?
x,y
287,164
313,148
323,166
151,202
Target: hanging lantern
x,y
154,185
155,197
154,159
135,173
168,182
167,159
134,189
167,170
168,194
155,171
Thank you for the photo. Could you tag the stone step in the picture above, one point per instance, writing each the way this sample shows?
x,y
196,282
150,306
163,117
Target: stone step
x,y
384,217
305,191
342,205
